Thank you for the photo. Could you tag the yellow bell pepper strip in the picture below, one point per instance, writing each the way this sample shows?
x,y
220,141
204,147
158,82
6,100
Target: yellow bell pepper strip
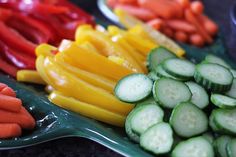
x,y
45,50
129,21
138,30
86,109
142,45
41,70
134,53
30,76
117,60
64,45
95,63
91,78
106,47
72,86
89,46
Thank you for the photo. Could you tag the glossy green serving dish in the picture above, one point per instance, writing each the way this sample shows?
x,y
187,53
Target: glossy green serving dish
x,y
54,122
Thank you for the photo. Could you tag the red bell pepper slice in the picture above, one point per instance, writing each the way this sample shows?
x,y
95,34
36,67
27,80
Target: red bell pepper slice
x,y
31,27
16,40
19,59
7,68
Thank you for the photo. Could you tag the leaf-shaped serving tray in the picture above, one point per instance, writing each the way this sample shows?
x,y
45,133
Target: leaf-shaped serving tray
x,y
54,122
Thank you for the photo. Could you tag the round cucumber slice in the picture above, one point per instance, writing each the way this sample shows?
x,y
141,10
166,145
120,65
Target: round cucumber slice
x,y
179,68
220,145
133,88
232,91
145,116
223,101
169,92
158,139
188,120
193,147
225,119
231,148
156,56
200,97
213,77
214,59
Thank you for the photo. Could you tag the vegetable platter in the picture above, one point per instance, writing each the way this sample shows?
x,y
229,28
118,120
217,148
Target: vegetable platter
x,y
54,122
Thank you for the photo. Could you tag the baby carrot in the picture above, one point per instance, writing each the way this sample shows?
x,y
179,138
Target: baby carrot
x,y
184,3
197,7
133,2
156,23
210,26
159,7
181,36
10,103
168,31
8,91
197,40
190,17
181,25
2,86
9,130
141,13
23,118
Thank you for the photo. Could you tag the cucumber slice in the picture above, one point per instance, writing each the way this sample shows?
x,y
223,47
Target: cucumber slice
x,y
212,123
145,116
231,148
132,135
162,73
220,145
179,68
133,88
217,60
223,101
158,139
153,76
193,147
225,119
188,120
156,56
169,92
209,137
232,91
200,97
213,77
233,72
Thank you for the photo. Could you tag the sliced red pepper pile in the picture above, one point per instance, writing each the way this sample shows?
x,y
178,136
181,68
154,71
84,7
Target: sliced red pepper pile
x,y
25,24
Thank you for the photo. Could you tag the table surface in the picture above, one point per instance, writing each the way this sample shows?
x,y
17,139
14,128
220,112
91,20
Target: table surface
x,y
71,147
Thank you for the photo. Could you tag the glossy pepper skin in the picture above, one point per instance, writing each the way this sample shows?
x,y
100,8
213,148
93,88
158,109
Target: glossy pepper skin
x,y
26,24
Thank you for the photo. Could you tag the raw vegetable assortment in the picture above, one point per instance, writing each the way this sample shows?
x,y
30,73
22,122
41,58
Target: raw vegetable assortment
x,y
182,109
14,117
24,25
82,74
181,20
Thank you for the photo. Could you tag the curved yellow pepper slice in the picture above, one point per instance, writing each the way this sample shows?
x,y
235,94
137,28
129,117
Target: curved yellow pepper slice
x,y
30,76
45,50
95,63
105,46
92,78
86,109
72,86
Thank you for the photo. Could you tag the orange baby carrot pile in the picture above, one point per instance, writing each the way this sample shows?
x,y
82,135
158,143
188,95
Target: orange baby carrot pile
x,y
13,116
181,20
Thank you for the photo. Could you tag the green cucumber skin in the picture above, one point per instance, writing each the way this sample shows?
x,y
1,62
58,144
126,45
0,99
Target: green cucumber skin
x,y
133,136
151,66
127,77
181,77
229,149
155,95
222,129
221,105
217,143
210,86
